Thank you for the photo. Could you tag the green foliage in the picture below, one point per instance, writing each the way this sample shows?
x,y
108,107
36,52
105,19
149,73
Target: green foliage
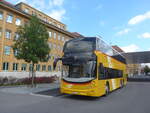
x,y
146,69
32,43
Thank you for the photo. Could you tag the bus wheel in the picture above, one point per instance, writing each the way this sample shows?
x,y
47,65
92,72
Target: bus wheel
x,y
106,89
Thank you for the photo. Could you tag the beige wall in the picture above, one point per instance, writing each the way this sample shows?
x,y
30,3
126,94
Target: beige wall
x,y
55,51
133,69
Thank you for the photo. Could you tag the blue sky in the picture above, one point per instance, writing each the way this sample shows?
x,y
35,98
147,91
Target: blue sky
x,y
125,23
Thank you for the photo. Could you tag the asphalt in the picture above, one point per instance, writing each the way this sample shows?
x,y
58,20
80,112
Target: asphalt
x,y
133,98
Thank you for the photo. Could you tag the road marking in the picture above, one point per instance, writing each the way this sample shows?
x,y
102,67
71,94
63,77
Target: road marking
x,y
41,95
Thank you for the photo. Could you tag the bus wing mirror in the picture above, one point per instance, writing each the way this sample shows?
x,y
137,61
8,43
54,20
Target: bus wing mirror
x,y
55,62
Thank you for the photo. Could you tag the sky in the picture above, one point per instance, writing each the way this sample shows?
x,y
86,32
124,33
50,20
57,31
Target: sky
x,y
125,23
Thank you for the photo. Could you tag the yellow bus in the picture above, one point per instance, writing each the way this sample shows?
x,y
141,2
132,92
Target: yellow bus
x,y
90,67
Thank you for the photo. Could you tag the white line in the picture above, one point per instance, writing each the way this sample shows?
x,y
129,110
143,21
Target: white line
x,y
41,95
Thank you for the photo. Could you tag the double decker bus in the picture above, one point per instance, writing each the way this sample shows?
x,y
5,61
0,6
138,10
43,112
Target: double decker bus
x,y
90,67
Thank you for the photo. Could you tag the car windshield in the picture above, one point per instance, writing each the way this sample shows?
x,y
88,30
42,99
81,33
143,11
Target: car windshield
x,y
79,45
80,73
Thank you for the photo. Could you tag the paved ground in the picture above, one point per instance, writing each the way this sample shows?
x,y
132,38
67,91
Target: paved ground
x,y
24,89
134,98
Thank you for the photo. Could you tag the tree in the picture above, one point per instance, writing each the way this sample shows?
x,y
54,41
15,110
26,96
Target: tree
x,y
146,69
32,45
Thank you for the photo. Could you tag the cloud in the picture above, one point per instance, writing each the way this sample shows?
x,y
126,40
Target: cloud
x,y
57,14
145,35
124,31
56,2
139,18
130,48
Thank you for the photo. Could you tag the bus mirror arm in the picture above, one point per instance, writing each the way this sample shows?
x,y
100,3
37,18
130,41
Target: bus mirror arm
x,y
55,62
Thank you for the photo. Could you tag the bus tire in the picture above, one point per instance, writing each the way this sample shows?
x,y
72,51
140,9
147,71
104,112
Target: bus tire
x,y
107,90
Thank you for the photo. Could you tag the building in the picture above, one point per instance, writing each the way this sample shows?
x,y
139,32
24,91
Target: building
x,y
132,69
12,16
76,34
117,49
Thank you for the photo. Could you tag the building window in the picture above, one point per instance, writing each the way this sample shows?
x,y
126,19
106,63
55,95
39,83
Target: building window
x,y
15,66
15,53
63,38
40,16
26,10
58,47
30,67
50,45
63,27
24,67
50,34
43,67
8,34
34,13
16,36
45,19
50,22
58,37
5,66
38,67
54,35
1,15
49,68
49,56
0,32
54,46
58,26
9,18
66,40
18,21
7,50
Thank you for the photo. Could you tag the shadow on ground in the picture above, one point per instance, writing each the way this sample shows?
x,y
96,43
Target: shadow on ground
x,y
52,92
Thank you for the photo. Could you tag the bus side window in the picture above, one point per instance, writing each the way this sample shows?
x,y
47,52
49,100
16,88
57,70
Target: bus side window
x,y
101,71
120,73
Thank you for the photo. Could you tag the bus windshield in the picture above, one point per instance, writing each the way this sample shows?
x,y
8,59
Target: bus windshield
x,y
80,73
79,45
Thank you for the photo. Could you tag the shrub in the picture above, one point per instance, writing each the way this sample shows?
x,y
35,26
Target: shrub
x,y
39,80
15,81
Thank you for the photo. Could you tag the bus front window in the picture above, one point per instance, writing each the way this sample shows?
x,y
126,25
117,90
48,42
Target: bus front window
x,y
81,73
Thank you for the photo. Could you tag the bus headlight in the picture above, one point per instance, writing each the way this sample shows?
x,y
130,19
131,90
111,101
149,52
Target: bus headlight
x,y
93,83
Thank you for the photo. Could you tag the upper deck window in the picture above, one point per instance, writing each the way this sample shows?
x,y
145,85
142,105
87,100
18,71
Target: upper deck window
x,y
80,45
103,47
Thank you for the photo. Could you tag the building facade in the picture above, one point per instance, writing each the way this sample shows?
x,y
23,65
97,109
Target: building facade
x,y
12,16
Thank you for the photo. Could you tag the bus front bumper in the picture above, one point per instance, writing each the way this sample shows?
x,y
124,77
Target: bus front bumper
x,y
89,92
